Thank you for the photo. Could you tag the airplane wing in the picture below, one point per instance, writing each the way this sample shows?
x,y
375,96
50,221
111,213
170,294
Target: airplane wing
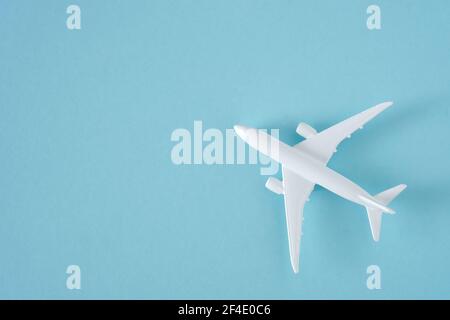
x,y
323,144
296,192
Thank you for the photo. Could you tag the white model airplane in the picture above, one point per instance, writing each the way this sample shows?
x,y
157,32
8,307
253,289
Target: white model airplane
x,y
305,165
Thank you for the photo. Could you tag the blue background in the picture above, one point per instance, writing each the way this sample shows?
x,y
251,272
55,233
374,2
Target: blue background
x,y
86,176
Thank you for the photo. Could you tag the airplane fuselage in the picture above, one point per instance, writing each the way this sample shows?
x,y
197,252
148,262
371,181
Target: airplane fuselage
x,y
306,166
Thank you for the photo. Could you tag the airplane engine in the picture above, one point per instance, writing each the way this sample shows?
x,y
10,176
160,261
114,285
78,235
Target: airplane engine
x,y
275,185
305,130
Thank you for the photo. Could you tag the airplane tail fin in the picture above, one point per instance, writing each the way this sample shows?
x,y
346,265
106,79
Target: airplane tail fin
x,y
375,214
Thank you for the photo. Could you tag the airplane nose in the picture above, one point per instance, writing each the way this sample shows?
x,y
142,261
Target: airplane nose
x,y
241,131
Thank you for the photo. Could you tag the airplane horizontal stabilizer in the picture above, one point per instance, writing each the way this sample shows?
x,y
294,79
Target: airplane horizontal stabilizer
x,y
375,214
